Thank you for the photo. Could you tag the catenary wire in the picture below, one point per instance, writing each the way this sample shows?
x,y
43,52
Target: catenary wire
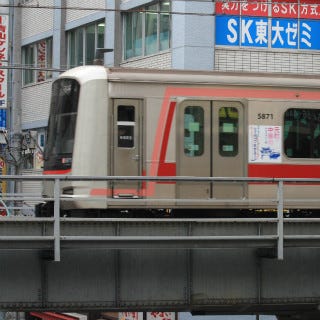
x,y
144,10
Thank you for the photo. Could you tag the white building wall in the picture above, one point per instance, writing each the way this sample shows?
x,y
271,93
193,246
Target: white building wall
x,y
72,15
35,21
35,102
267,61
158,61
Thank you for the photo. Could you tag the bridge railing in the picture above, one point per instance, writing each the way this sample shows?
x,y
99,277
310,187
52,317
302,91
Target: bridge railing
x,y
10,205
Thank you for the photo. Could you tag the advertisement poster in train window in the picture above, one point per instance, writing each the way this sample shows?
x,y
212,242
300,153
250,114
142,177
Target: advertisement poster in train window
x,y
265,144
290,24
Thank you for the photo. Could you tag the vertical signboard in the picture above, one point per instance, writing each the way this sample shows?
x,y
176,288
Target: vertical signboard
x,y
279,24
4,35
3,119
4,57
3,183
41,56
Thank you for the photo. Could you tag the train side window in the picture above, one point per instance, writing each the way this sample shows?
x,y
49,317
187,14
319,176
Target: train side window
x,y
125,126
302,133
228,131
193,131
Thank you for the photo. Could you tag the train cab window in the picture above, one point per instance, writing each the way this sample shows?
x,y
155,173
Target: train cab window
x,y
302,133
193,131
228,131
125,126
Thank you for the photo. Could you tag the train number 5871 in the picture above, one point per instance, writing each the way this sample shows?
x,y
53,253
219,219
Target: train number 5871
x,y
265,116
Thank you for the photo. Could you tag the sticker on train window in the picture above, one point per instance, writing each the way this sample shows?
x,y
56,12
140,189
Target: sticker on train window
x,y
193,131
228,127
228,131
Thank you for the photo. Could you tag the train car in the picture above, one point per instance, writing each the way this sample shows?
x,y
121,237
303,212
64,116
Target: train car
x,y
168,123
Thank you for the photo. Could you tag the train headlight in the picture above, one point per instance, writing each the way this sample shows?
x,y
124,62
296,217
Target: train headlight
x,y
68,191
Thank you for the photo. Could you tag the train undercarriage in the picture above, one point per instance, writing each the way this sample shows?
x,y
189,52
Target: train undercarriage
x,y
47,210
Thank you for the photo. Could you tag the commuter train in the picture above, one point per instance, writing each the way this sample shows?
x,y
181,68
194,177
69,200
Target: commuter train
x,y
119,122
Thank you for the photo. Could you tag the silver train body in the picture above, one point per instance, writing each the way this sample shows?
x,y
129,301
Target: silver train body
x,y
133,122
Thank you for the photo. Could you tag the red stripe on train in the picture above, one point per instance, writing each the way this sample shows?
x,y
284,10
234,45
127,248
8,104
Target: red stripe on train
x,y
57,171
262,170
167,169
283,171
254,170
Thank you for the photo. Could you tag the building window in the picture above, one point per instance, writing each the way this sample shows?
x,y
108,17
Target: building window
x,y
37,55
148,31
302,133
83,42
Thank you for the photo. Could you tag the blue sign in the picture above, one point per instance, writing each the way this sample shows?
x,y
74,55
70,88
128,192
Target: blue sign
x,y
284,33
3,119
310,34
254,32
227,30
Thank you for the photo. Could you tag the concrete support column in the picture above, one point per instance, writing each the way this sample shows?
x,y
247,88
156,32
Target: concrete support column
x,y
15,88
192,35
113,35
59,54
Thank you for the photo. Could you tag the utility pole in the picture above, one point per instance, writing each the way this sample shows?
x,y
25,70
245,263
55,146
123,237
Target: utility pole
x,y
15,107
15,76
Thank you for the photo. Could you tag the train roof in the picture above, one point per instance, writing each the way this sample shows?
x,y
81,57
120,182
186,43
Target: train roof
x,y
88,73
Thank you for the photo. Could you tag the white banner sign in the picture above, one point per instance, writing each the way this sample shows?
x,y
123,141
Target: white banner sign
x,y
265,144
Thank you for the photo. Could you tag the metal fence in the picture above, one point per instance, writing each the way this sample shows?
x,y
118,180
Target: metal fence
x,y
10,204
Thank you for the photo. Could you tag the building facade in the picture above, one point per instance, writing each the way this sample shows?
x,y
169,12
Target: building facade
x,y
49,36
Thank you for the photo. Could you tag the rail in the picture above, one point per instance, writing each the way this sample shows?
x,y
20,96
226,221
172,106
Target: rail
x,y
188,240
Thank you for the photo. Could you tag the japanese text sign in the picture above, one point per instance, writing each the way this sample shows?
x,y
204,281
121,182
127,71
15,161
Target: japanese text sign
x,y
3,60
281,24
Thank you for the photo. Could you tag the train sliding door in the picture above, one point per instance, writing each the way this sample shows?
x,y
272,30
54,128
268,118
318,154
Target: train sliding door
x,y
210,144
127,146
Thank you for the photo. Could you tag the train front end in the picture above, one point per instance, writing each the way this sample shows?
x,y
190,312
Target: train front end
x,y
78,100
61,127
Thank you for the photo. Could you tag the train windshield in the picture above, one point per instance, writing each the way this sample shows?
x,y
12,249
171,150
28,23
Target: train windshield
x,y
62,123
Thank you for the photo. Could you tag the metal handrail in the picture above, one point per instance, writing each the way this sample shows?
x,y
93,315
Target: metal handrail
x,y
278,202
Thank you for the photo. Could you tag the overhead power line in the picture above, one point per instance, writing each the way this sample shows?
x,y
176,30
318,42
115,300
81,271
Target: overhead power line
x,y
139,9
144,9
24,67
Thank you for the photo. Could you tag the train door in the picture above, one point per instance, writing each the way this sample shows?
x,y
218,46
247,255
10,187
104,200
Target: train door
x,y
210,144
127,145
